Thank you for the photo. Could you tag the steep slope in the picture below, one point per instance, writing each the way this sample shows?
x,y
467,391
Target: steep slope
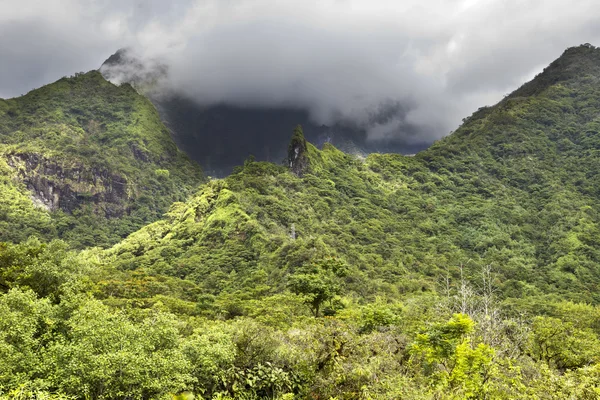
x,y
88,161
469,271
540,145
515,187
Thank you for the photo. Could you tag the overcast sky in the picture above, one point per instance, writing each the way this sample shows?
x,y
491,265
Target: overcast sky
x,y
432,62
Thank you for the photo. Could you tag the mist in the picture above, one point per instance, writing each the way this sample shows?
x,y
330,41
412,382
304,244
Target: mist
x,y
409,70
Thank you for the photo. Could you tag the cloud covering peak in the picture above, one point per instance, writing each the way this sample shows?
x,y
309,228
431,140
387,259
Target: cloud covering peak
x,y
410,69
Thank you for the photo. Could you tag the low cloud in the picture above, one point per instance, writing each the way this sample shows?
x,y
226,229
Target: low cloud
x,y
409,70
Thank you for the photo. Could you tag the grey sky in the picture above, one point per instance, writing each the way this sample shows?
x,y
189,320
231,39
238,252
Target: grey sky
x,y
438,60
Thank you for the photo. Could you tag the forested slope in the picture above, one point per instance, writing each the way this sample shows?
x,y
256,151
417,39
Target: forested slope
x,y
87,161
515,187
469,271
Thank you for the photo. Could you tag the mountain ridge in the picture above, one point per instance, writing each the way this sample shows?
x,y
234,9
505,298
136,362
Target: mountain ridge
x,y
502,160
470,270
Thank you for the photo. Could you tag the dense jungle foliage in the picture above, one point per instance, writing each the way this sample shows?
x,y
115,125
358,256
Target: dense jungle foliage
x,y
87,161
469,271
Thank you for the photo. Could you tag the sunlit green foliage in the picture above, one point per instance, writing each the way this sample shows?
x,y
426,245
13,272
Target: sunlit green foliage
x,y
319,283
469,271
136,341
100,148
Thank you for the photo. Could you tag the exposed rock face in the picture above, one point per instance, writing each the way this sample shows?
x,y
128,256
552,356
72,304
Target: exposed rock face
x,y
62,186
297,157
138,153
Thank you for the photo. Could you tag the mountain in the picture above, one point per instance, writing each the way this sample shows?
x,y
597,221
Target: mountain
x,y
515,187
468,271
85,160
221,136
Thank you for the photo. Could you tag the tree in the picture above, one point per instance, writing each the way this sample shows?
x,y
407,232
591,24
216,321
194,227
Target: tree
x,y
108,355
319,282
24,323
562,345
451,359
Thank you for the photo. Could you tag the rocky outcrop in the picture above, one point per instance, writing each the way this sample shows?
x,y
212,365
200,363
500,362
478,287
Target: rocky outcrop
x,y
61,185
297,153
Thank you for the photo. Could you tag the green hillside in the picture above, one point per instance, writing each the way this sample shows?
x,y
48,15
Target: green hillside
x,y
515,187
87,161
469,271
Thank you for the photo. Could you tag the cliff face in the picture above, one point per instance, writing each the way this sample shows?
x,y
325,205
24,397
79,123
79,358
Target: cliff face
x,y
297,153
58,185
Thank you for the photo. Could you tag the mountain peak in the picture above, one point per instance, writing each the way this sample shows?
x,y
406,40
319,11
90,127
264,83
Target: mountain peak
x,y
297,158
574,63
125,66
117,58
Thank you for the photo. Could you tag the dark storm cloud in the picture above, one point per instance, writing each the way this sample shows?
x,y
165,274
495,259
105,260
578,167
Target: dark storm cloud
x,y
410,69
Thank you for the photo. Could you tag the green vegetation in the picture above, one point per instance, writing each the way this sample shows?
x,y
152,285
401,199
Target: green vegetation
x,y
87,161
73,327
469,271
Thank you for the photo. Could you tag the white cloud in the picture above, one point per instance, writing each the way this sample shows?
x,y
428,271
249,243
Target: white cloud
x,y
338,58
